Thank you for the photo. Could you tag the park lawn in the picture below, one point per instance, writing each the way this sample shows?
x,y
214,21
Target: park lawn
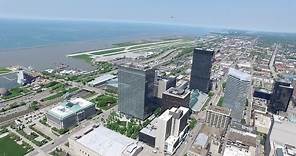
x,y
220,102
105,102
10,147
14,92
4,70
84,57
60,94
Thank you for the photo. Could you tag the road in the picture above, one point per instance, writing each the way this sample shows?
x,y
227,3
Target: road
x,y
64,138
271,62
186,145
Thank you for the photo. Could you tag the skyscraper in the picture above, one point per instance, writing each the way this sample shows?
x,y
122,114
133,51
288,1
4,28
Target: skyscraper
x,y
236,92
201,70
294,92
281,95
136,86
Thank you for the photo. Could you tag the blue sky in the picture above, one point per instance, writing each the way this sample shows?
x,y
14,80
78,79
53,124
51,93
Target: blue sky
x,y
267,15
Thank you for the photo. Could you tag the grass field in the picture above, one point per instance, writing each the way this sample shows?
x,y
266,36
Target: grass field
x,y
83,57
4,70
14,92
9,147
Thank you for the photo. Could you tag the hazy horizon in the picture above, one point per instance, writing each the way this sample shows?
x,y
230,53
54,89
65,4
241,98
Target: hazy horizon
x,y
264,15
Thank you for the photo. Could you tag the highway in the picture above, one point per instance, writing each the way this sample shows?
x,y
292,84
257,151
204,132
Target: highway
x,y
271,62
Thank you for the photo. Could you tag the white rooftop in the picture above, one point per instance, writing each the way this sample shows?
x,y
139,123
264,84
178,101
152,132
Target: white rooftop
x,y
101,79
106,142
239,74
201,140
236,151
69,107
282,132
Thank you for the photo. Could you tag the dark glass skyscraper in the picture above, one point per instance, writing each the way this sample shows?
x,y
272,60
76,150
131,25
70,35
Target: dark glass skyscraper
x,y
136,86
281,95
201,70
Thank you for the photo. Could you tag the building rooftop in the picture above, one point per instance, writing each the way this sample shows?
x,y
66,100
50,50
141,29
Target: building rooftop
x,y
242,137
218,109
177,92
201,140
102,79
113,83
106,142
262,123
151,128
239,74
237,151
211,51
259,105
136,66
67,108
282,132
197,100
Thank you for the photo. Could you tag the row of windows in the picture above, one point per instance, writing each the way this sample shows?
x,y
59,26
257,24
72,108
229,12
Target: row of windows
x,y
84,153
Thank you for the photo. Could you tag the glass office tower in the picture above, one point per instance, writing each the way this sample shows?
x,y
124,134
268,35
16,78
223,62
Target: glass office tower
x,y
201,70
136,86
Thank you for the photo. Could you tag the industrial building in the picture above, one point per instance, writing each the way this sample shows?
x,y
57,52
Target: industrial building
x,y
218,117
281,95
237,91
167,132
136,88
101,141
70,113
201,70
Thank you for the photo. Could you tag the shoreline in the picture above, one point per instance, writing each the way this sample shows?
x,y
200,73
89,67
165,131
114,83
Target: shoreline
x,y
45,57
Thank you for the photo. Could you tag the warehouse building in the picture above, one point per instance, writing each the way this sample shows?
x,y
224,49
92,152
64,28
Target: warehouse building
x,y
101,141
70,113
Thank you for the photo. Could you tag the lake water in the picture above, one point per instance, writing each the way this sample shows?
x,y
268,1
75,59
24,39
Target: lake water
x,y
44,44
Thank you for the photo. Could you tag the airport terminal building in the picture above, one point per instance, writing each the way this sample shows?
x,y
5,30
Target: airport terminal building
x,y
71,112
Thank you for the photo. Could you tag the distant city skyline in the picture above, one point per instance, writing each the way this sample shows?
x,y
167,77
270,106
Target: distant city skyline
x,y
263,15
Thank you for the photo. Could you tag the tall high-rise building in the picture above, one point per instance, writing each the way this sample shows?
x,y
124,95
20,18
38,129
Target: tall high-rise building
x,y
281,95
171,128
294,92
237,91
136,86
167,132
162,84
201,70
